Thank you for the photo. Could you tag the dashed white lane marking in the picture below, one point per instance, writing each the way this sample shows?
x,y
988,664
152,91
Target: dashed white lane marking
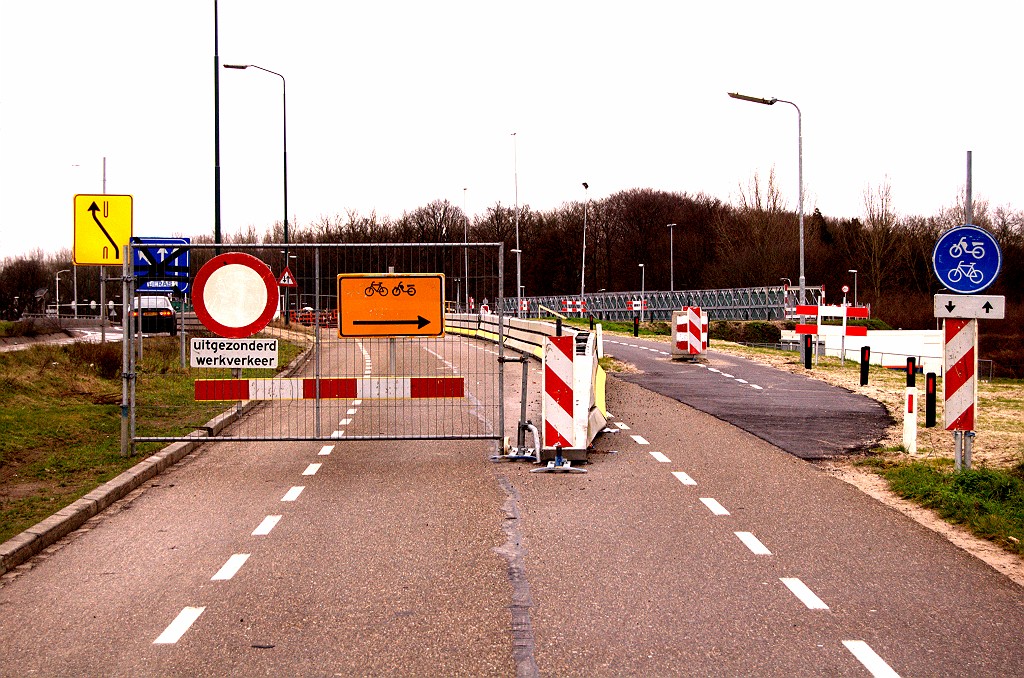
x,y
870,659
728,375
312,469
742,381
661,457
712,369
230,568
759,388
805,595
173,633
357,402
326,450
344,422
352,410
266,526
337,434
714,506
293,493
753,543
684,478
663,352
622,426
640,440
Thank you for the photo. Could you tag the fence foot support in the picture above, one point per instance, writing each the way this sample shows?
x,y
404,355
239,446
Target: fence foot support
x,y
521,452
559,465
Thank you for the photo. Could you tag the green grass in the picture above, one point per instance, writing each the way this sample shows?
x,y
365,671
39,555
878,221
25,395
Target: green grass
x,y
989,502
60,424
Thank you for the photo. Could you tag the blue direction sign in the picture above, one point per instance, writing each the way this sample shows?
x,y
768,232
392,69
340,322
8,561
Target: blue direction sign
x,y
967,259
162,264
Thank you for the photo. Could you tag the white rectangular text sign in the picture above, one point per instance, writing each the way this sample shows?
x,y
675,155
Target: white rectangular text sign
x,y
234,353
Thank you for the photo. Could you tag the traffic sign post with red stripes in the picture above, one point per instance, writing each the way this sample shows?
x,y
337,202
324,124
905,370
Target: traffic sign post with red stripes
x,y
960,384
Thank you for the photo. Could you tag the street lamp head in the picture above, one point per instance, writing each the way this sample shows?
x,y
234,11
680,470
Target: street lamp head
x,y
671,225
585,185
756,100
852,270
240,67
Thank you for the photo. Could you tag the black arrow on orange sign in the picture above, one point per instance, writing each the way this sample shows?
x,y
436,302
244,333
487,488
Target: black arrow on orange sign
x,y
93,208
420,322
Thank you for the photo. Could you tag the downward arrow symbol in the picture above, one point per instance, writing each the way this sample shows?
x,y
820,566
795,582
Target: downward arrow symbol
x,y
950,306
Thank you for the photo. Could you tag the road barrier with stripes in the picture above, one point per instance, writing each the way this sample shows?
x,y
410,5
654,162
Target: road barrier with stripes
x,y
691,332
821,312
306,389
960,385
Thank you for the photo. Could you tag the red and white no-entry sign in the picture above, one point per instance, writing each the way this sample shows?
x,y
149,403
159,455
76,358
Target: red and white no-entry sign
x,y
235,295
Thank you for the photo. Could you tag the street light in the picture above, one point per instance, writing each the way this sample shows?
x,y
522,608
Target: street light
x,y
583,265
57,304
800,174
642,289
671,262
854,272
465,248
284,125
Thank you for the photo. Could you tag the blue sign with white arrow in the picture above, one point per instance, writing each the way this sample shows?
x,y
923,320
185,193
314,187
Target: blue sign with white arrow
x,y
162,265
967,259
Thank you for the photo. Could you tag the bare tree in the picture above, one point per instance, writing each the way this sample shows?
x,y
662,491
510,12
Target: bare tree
x,y
880,249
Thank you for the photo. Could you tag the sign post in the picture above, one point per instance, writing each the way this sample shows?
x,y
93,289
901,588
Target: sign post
x,y
966,259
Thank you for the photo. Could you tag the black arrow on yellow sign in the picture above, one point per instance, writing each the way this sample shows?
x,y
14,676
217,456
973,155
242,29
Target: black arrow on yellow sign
x,y
420,322
94,208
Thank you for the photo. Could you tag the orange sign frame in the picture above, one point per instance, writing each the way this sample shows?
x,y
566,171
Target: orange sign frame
x,y
390,305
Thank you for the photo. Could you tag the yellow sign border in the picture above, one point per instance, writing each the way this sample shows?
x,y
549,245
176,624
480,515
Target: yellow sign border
x,y
90,238
401,321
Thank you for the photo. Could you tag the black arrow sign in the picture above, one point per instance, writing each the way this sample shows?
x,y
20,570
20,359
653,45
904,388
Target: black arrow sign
x,y
988,307
420,322
950,306
94,208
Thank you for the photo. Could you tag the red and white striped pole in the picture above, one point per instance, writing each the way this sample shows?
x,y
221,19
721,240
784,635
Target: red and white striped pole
x,y
960,384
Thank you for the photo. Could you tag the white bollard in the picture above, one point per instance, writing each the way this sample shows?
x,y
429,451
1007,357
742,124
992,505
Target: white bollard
x,y
910,420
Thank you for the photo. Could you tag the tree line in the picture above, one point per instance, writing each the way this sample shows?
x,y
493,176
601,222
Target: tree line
x,y
754,242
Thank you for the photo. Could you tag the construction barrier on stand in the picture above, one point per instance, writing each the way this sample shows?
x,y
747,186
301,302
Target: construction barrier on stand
x,y
691,332
573,306
959,382
569,407
843,312
365,388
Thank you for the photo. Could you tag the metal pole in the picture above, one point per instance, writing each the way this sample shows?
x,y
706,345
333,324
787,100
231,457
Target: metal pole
x,y
125,359
519,252
968,201
643,277
316,341
216,133
500,303
671,260
583,265
74,268
465,249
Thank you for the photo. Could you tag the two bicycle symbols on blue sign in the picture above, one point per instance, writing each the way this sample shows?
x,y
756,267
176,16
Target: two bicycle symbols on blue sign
x,y
967,259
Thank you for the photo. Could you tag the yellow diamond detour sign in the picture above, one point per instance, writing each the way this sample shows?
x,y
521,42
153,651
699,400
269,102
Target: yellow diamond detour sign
x,y
391,305
103,226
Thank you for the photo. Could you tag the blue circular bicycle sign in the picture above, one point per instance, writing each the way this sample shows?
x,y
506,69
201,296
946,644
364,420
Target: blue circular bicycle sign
x,y
967,259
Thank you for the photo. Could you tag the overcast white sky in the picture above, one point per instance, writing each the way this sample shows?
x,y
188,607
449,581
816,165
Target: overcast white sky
x,y
394,104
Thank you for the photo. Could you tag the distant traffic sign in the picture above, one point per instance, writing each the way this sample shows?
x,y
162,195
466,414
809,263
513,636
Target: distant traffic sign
x,y
103,226
984,307
287,279
967,259
391,305
162,264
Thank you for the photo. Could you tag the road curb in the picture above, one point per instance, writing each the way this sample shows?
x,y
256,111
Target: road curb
x,y
47,532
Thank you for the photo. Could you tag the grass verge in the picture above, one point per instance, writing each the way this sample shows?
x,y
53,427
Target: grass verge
x,y
60,423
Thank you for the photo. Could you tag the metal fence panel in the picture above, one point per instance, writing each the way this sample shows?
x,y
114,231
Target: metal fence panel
x,y
362,388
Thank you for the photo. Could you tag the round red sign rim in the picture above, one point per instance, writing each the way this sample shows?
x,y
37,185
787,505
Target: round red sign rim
x,y
214,265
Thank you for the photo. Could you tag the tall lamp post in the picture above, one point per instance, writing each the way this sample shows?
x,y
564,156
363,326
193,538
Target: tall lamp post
x,y
854,272
642,291
583,263
57,291
800,174
284,123
671,262
465,249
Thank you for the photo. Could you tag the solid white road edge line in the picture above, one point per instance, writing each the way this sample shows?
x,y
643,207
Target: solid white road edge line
x,y
753,543
805,595
661,457
870,659
179,626
230,568
714,506
293,493
266,526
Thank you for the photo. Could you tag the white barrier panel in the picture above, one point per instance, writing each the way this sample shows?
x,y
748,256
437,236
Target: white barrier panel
x,y
690,330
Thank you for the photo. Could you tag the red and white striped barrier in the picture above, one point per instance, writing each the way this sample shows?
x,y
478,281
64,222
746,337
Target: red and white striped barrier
x,y
573,306
691,331
366,388
637,305
960,384
844,312
558,406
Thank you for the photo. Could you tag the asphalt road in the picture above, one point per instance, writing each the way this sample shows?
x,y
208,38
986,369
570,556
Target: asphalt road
x,y
803,416
690,547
